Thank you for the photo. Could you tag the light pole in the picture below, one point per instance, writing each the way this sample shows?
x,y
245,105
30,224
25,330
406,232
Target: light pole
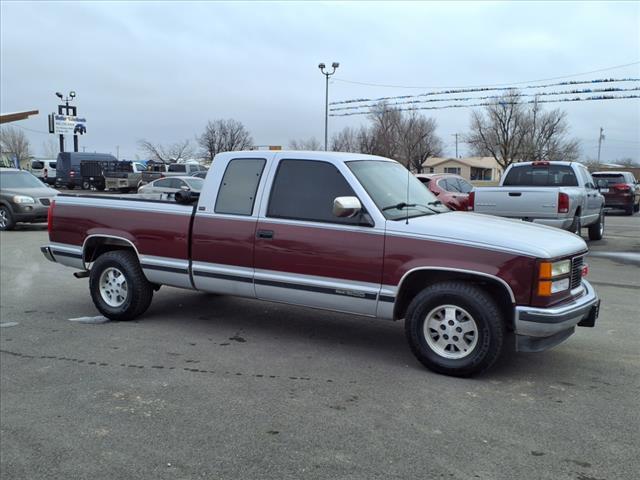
x,y
327,74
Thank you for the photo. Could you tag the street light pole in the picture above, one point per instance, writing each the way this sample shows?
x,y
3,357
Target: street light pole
x,y
327,74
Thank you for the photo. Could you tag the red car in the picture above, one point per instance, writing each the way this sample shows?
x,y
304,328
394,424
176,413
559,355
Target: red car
x,y
452,190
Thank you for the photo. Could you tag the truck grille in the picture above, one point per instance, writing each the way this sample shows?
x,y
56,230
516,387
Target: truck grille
x,y
576,271
45,201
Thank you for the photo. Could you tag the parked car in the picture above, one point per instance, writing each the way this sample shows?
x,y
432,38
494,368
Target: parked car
x,y
23,198
179,169
452,190
200,174
68,172
558,194
345,232
45,170
620,190
172,185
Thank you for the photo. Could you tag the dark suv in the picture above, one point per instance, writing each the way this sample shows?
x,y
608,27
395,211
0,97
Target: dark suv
x,y
23,198
620,190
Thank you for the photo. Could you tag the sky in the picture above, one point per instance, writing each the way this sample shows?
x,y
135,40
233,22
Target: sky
x,y
161,70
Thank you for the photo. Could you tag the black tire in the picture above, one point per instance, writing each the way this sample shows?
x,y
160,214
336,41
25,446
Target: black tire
x,y
139,291
596,231
70,186
490,328
629,210
636,207
576,225
100,187
6,219
86,185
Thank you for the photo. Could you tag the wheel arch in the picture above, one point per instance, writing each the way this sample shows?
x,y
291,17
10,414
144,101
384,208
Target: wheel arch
x,y
97,244
415,280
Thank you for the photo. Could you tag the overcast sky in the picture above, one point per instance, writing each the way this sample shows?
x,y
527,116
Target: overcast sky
x,y
160,70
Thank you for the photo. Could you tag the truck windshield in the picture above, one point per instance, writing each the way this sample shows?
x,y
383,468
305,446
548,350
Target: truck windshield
x,y
541,176
19,180
387,184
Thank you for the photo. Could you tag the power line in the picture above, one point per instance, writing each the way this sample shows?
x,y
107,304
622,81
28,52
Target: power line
x,y
30,129
485,89
491,84
489,97
576,99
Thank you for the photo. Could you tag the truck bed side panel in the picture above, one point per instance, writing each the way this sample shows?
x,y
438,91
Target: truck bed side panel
x,y
157,230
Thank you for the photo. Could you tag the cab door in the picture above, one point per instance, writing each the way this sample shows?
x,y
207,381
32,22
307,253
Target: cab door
x,y
305,255
224,226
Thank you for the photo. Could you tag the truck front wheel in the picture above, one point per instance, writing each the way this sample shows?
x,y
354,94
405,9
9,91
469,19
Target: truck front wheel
x,y
455,328
119,289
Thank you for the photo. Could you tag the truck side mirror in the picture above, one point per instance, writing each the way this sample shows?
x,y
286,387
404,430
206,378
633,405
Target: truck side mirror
x,y
346,207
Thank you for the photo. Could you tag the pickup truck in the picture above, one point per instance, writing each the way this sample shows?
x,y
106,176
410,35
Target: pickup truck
x,y
558,194
338,231
134,176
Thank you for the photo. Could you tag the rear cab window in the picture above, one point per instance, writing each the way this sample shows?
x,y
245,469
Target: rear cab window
x,y
541,176
237,192
174,167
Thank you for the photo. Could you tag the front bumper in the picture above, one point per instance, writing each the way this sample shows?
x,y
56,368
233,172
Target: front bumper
x,y
30,213
538,329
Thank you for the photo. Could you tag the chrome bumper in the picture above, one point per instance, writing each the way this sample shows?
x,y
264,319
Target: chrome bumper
x,y
538,329
46,251
562,223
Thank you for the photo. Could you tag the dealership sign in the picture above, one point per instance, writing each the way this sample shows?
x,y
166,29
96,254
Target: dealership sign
x,y
67,124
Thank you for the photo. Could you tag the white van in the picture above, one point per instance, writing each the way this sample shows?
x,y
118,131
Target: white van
x,y
45,170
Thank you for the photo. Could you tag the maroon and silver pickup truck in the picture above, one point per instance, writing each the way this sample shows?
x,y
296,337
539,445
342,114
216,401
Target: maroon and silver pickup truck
x,y
338,231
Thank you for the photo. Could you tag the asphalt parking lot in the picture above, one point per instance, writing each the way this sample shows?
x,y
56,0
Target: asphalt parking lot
x,y
216,387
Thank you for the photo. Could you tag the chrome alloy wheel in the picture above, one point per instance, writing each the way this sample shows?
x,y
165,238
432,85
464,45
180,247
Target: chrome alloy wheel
x,y
450,331
4,221
113,287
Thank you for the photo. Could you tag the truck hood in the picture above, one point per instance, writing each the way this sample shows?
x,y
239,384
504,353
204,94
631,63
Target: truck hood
x,y
493,233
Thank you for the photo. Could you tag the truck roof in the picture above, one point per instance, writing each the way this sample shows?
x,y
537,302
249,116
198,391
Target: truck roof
x,y
303,155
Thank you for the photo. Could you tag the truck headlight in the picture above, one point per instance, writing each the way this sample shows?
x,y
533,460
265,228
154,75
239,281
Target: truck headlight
x,y
548,281
23,199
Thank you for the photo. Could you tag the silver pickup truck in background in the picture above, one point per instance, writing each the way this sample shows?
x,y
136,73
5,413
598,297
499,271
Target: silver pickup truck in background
x,y
558,194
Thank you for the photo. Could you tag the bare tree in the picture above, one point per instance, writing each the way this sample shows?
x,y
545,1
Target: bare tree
x,y
167,153
418,140
224,136
50,148
546,136
499,131
385,130
14,143
346,140
310,144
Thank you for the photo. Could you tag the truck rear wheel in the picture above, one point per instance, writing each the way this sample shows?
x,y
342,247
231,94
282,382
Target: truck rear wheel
x,y
119,289
455,328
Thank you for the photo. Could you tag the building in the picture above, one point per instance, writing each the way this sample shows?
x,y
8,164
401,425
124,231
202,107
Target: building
x,y
471,168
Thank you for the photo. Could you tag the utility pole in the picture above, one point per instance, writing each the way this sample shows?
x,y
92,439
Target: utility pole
x,y
456,135
600,139
118,152
334,65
